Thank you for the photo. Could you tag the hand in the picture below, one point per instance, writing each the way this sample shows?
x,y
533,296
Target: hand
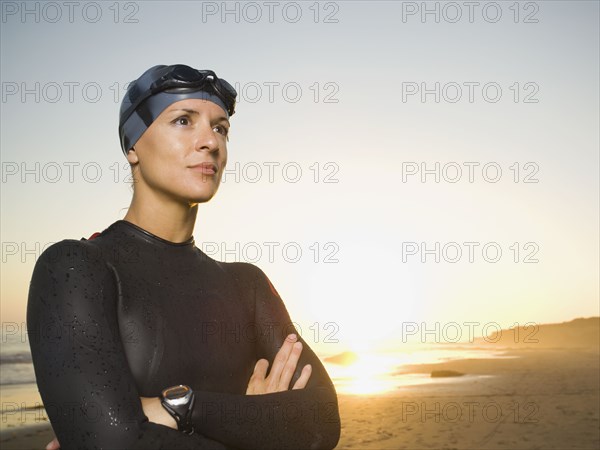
x,y
156,413
53,445
282,371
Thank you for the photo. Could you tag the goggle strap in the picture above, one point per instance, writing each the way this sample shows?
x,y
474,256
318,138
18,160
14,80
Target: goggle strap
x,y
145,114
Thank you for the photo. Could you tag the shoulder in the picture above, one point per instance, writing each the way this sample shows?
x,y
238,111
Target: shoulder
x,y
70,254
70,275
242,270
249,275
235,269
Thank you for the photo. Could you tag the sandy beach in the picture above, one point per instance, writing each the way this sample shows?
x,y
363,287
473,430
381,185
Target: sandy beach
x,y
542,399
32,437
531,399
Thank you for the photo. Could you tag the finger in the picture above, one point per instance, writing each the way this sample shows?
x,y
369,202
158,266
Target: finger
x,y
260,368
255,385
304,376
53,445
280,361
290,367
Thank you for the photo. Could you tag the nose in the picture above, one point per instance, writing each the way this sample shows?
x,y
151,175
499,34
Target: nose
x,y
206,139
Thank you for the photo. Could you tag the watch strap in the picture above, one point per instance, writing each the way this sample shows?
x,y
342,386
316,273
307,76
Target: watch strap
x,y
182,414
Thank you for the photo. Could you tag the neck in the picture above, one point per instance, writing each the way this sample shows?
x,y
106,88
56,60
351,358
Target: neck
x,y
162,216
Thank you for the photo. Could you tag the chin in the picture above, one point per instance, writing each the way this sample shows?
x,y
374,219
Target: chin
x,y
196,193
200,197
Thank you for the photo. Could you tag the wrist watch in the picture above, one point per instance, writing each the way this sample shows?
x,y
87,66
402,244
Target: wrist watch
x,y
179,402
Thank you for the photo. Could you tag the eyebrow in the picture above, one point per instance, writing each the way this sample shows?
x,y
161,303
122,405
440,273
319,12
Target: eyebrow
x,y
193,111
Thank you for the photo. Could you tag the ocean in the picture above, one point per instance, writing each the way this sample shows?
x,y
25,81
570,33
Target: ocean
x,y
15,360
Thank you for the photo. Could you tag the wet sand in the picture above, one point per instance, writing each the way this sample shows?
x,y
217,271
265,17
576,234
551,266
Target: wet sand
x,y
30,437
544,399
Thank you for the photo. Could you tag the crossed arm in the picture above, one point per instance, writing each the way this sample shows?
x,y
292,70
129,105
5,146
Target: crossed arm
x,y
278,380
91,397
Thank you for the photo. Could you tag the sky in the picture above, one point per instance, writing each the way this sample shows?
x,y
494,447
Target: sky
x,y
395,168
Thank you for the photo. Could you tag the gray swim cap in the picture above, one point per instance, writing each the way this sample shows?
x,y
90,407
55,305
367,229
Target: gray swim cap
x,y
159,87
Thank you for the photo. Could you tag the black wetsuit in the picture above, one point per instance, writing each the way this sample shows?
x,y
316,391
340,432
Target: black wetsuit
x,y
127,314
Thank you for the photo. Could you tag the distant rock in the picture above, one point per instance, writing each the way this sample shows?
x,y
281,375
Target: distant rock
x,y
445,374
343,359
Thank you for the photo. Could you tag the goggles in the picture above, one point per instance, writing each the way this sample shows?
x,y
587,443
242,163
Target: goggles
x,y
181,78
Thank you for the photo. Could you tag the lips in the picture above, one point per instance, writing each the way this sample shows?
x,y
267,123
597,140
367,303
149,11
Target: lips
x,y
205,167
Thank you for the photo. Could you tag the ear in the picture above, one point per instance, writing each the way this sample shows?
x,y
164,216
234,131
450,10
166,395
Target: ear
x,y
132,156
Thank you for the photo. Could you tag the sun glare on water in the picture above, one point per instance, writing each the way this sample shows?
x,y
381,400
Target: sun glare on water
x,y
370,373
364,372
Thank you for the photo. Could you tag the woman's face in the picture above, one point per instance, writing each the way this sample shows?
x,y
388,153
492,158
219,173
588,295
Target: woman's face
x,y
176,155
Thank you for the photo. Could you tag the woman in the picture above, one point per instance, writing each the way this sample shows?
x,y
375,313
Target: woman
x,y
138,338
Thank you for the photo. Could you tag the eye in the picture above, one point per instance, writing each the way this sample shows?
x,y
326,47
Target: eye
x,y
182,120
222,130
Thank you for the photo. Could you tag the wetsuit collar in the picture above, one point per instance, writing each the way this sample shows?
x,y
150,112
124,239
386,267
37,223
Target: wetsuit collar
x,y
144,233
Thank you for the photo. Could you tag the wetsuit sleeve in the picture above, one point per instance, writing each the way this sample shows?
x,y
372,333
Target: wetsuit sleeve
x,y
295,419
80,365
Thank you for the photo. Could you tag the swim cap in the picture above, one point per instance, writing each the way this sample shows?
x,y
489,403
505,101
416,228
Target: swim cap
x,y
159,87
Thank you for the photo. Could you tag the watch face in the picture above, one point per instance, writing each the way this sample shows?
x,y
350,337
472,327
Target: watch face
x,y
177,395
